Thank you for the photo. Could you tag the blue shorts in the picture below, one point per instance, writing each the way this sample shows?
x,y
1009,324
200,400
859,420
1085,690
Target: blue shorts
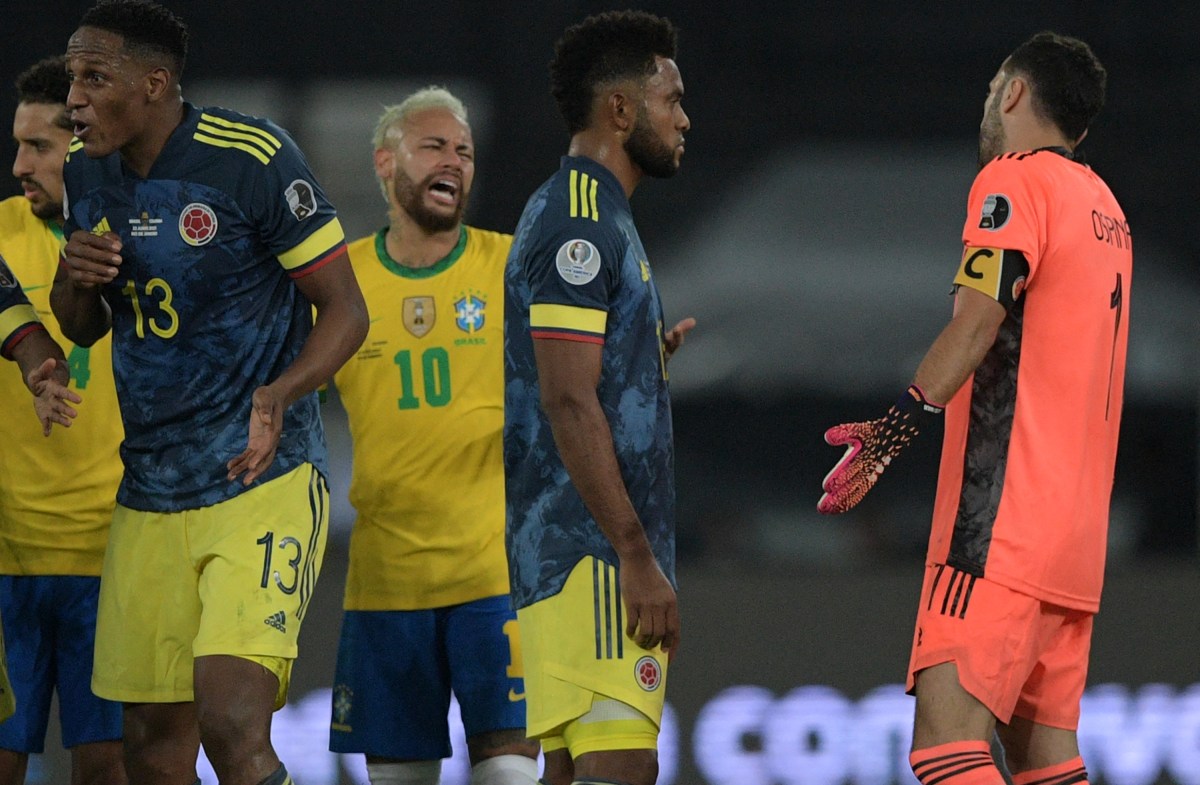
x,y
50,631
395,671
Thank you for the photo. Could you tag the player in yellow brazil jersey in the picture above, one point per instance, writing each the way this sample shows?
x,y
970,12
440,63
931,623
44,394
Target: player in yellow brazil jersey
x,y
1032,365
56,494
588,446
201,239
427,604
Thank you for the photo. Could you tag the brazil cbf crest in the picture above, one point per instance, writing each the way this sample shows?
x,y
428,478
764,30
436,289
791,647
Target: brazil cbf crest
x,y
419,315
469,313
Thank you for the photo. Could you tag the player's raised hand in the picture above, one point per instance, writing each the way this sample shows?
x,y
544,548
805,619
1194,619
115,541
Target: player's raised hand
x,y
52,398
870,448
91,259
266,426
674,337
651,609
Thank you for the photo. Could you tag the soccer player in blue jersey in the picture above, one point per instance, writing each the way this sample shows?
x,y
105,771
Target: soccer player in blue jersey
x,y
587,434
202,240
56,494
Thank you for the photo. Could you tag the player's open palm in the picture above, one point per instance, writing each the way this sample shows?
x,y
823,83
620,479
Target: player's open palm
x,y
52,399
651,609
266,426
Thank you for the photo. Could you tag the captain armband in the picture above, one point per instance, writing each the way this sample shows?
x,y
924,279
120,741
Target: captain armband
x,y
996,272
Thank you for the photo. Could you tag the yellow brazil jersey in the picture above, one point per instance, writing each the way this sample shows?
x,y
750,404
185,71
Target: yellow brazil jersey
x,y
57,493
425,398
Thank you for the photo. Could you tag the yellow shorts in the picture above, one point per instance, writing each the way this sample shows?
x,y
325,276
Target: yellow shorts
x,y
234,578
582,670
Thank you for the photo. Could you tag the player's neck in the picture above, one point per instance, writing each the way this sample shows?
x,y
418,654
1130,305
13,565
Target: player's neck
x,y
1035,136
607,150
141,152
409,245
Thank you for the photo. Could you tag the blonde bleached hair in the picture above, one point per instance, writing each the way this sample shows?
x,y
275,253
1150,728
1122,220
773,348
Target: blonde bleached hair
x,y
390,127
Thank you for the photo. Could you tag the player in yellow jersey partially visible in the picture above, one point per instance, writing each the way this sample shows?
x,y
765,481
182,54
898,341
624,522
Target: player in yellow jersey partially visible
x,y
427,602
57,494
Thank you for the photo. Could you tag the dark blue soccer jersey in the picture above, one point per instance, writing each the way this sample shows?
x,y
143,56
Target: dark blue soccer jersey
x,y
577,271
17,317
204,310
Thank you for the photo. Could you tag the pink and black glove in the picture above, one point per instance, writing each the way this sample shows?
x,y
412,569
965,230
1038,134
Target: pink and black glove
x,y
871,447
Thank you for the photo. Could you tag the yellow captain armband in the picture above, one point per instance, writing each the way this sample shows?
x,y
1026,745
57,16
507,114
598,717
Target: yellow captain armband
x,y
997,272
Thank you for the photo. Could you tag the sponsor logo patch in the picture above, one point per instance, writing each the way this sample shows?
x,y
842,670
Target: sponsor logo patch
x,y
996,211
301,199
419,315
197,224
648,673
578,262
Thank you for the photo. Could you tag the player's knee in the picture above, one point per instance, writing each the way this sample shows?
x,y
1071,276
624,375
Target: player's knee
x,y
505,770
417,772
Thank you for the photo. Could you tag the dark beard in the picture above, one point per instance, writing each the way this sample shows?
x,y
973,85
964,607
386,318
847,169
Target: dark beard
x,y
49,212
991,134
408,195
649,152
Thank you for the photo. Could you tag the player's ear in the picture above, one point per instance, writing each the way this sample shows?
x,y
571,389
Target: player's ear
x,y
1016,89
385,163
157,82
621,110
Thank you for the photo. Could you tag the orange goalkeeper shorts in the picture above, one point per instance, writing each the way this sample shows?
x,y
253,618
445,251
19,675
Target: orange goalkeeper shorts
x,y
1016,654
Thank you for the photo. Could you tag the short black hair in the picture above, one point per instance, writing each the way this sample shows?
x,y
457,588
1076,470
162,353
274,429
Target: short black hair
x,y
148,29
603,49
1068,80
46,82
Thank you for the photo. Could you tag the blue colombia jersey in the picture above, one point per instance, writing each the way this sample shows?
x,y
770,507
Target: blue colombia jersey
x,y
578,272
204,310
17,316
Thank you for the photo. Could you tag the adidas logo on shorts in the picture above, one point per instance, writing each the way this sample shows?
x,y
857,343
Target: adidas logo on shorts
x,y
278,620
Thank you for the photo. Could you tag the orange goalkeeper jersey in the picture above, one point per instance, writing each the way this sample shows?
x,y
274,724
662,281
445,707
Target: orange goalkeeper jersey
x,y
1031,438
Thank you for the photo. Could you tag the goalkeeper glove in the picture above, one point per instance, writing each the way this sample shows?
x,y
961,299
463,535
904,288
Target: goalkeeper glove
x,y
871,447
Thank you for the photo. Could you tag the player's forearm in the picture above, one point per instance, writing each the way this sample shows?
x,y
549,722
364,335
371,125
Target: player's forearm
x,y
340,328
584,442
955,355
33,350
82,313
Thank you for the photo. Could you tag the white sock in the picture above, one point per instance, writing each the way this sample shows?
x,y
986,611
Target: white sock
x,y
421,772
505,770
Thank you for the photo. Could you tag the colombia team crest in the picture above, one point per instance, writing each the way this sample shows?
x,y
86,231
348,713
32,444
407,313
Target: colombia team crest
x,y
648,673
419,315
197,224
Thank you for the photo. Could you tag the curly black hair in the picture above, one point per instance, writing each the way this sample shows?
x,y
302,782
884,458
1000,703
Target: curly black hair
x,y
148,29
603,49
1068,80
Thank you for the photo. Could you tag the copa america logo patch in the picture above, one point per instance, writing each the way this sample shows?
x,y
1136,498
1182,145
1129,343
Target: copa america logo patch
x,y
197,224
301,199
996,209
578,262
648,673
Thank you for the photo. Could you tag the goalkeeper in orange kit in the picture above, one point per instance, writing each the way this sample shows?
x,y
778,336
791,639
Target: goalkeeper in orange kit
x,y
1031,368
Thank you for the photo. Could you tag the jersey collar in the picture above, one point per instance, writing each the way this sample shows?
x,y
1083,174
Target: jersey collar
x,y
439,266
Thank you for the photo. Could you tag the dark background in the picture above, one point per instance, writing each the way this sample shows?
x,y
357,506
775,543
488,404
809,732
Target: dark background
x,y
813,232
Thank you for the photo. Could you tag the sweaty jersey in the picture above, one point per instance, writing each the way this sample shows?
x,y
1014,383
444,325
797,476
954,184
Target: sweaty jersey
x,y
1031,439
203,309
578,272
425,398
56,493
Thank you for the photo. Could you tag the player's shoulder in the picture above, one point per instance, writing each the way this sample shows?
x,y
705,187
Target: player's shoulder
x,y
240,137
583,201
364,250
487,242
16,216
1026,166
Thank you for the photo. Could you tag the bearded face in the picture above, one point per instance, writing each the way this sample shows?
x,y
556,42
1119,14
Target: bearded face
x,y
414,199
647,149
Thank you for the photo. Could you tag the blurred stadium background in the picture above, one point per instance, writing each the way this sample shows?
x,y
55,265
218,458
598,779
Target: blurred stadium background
x,y
813,232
